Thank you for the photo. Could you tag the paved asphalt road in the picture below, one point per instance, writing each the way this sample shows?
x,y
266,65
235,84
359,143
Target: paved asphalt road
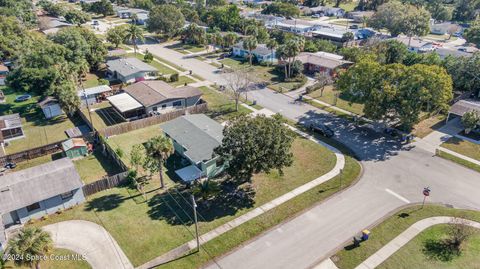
x,y
394,175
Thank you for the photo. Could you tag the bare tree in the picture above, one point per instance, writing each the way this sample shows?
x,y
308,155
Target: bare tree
x,y
459,231
238,82
323,79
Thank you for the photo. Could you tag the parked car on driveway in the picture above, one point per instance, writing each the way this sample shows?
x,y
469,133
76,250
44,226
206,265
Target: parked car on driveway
x,y
321,129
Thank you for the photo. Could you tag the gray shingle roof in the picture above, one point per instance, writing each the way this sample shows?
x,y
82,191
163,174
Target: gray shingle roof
x,y
261,49
463,106
129,66
322,59
152,92
198,134
25,187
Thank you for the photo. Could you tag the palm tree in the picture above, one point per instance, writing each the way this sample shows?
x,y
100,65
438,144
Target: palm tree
x,y
250,43
229,39
133,34
159,148
272,44
206,189
33,242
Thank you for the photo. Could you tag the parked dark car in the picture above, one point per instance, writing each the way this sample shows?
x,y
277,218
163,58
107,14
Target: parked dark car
x,y
353,26
10,165
321,129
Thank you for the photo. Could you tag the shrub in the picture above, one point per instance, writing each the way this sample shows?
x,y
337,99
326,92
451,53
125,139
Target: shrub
x,y
148,57
470,120
102,81
174,77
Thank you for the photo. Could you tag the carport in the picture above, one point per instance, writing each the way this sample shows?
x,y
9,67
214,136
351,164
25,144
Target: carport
x,y
463,106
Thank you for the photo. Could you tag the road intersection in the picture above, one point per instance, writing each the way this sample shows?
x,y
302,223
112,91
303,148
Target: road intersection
x,y
394,175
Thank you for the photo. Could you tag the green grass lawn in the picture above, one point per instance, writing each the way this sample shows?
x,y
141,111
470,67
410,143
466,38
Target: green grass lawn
x,y
95,166
463,147
38,161
163,69
91,80
460,161
38,130
181,81
427,251
258,73
183,47
392,227
220,106
342,101
154,229
58,253
426,126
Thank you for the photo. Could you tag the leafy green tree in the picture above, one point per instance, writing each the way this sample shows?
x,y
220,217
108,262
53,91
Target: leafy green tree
x,y
211,3
288,53
370,4
472,34
158,149
348,36
400,18
323,79
225,18
250,43
394,51
465,10
255,144
148,57
52,9
117,35
194,34
21,9
465,72
470,120
206,189
439,10
78,17
103,7
33,242
134,34
165,19
282,9
68,99
229,39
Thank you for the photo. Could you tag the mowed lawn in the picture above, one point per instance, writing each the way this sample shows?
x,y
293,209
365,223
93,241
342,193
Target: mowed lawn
x,y
163,69
145,230
95,166
349,258
426,126
221,107
463,147
427,252
37,129
330,95
58,253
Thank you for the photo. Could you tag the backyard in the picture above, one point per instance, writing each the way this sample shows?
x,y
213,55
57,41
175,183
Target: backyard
x,y
95,166
103,115
164,221
412,254
342,101
38,130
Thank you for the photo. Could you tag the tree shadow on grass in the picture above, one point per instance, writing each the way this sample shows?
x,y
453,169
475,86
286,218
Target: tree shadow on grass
x,y
440,250
105,203
174,205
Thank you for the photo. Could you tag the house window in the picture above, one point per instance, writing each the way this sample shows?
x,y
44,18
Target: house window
x,y
66,195
177,103
33,207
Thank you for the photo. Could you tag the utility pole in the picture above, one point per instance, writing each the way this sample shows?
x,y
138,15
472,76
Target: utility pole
x,y
196,222
86,101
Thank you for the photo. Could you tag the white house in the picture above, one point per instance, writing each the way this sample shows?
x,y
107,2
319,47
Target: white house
x,y
261,52
130,70
50,107
415,44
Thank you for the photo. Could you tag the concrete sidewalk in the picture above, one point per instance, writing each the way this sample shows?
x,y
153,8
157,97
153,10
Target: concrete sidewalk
x,y
393,246
451,152
191,245
91,240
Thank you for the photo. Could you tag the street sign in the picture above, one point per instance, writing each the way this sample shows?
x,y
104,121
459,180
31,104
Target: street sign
x,y
426,191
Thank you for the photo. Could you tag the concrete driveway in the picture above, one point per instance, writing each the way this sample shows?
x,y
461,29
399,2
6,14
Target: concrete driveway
x,y
91,240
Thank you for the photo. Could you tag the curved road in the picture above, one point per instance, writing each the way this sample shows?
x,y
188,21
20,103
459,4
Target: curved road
x,y
394,175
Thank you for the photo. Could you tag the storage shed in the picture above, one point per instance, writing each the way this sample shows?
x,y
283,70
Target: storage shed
x,y
75,148
50,107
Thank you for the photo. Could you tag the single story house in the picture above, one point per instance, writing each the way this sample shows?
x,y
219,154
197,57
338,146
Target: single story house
x,y
416,44
261,52
195,137
463,106
38,191
322,62
328,11
153,97
130,70
444,28
294,26
51,25
50,107
75,148
127,13
359,16
11,127
3,74
335,33
94,95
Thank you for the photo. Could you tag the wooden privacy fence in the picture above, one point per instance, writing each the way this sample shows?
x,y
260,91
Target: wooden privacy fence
x,y
157,119
31,153
104,184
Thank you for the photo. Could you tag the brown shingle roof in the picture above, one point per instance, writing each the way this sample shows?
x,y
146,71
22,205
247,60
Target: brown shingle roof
x,y
152,92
